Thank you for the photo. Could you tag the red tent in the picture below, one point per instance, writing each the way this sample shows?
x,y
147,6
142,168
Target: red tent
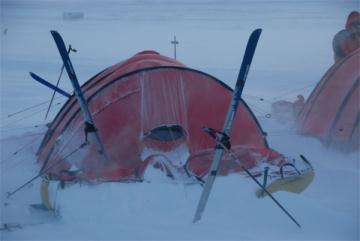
x,y
331,113
151,108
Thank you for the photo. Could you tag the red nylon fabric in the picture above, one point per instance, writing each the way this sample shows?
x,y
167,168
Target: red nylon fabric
x,y
135,96
331,113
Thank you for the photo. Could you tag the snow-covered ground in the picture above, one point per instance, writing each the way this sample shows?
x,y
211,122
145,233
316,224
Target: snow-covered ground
x,y
294,51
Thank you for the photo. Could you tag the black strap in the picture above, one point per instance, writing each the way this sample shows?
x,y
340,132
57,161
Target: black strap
x,y
89,127
288,164
219,137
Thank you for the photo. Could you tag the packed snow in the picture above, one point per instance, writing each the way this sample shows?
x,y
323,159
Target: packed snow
x,y
293,53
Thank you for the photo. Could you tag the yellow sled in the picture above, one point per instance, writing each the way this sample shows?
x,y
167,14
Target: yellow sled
x,y
295,183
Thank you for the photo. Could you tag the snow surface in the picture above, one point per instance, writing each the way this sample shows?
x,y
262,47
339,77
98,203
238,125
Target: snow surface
x,y
294,51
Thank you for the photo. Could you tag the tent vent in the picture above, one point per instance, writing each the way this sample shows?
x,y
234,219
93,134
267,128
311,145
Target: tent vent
x,y
166,133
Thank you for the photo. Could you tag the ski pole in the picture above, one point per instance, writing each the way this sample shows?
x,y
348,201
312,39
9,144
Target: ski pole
x,y
58,81
271,196
218,137
26,109
9,194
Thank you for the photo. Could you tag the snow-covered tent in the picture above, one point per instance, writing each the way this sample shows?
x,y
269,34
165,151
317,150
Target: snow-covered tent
x,y
331,113
149,109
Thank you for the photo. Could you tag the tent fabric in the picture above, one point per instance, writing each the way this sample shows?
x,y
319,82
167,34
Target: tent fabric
x,y
331,113
150,107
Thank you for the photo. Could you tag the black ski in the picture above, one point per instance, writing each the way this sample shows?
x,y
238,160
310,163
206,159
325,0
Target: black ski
x,y
89,123
219,150
49,85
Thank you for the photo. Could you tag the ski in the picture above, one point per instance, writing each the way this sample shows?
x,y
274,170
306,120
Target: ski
x,y
48,84
219,150
89,123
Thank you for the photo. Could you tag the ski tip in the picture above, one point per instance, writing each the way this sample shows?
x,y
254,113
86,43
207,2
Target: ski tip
x,y
55,36
53,32
35,77
256,32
